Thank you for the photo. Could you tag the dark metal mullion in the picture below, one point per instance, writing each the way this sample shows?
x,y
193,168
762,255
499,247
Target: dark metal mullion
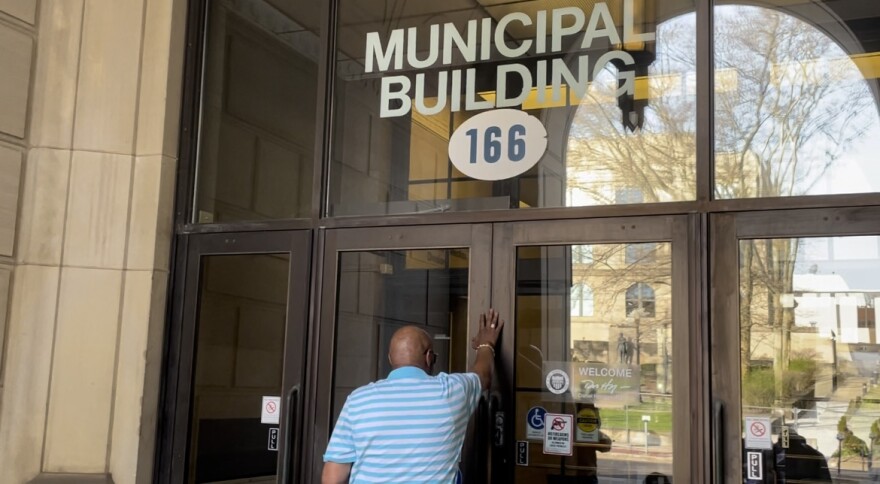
x,y
312,337
698,249
325,115
197,19
705,100
558,213
294,351
175,314
698,300
169,391
185,371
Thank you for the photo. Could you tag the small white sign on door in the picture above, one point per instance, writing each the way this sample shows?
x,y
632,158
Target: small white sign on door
x,y
558,430
755,465
271,413
758,433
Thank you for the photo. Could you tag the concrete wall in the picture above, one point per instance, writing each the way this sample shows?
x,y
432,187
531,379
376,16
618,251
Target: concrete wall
x,y
89,109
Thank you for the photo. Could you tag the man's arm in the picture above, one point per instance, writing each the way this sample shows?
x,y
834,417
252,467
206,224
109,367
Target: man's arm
x,y
484,342
335,473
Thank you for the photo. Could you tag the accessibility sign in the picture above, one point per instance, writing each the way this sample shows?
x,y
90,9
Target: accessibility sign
x,y
557,433
535,423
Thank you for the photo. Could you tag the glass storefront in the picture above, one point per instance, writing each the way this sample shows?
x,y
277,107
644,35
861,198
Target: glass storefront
x,y
612,83
693,291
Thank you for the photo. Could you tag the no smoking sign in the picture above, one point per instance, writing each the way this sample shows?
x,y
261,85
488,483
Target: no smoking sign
x,y
271,411
757,431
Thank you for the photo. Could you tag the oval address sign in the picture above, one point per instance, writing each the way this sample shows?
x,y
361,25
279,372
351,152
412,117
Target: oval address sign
x,y
498,144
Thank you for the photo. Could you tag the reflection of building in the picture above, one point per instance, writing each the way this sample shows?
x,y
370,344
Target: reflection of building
x,y
824,304
622,291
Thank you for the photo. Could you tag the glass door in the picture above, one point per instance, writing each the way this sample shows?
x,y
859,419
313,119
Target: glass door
x,y
795,353
380,279
239,356
596,381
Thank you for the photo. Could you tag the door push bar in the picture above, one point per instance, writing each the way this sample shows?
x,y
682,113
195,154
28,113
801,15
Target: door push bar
x,y
289,460
718,440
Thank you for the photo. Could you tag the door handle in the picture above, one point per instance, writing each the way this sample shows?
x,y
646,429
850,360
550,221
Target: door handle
x,y
718,440
289,461
496,413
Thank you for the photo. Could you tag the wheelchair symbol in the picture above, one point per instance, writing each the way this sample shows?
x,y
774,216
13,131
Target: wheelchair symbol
x,y
535,417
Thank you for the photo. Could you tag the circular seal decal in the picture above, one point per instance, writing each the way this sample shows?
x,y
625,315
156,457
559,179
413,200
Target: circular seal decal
x,y
557,382
498,144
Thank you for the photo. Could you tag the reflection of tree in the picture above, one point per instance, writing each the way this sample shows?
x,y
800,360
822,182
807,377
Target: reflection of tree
x,y
789,103
658,160
770,273
792,112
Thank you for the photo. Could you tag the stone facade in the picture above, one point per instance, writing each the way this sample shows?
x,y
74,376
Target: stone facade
x,y
89,116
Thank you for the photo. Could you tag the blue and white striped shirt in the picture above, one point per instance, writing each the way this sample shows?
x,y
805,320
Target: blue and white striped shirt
x,y
406,428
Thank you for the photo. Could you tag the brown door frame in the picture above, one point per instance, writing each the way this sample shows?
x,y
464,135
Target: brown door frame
x,y
690,438
477,238
726,231
173,452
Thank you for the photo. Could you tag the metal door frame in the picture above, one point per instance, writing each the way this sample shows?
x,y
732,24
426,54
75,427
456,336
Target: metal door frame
x,y
682,231
176,407
726,231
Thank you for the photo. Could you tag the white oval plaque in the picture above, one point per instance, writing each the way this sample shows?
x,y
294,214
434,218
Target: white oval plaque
x,y
498,144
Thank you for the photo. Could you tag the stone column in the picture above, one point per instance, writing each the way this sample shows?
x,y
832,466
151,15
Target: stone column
x,y
88,297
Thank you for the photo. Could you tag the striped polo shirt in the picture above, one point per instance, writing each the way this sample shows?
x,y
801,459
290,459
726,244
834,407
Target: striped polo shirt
x,y
406,428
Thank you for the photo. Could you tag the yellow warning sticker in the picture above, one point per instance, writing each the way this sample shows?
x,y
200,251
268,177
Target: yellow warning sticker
x,y
588,419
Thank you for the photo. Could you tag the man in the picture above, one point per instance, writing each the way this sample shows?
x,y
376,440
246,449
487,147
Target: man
x,y
410,426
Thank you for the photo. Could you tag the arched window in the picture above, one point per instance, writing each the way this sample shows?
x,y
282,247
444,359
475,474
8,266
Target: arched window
x,y
581,300
640,296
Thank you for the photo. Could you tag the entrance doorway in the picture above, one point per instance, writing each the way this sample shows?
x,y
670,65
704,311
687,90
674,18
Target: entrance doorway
x,y
239,358
607,302
795,354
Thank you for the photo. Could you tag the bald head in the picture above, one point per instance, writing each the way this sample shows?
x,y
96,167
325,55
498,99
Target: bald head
x,y
409,347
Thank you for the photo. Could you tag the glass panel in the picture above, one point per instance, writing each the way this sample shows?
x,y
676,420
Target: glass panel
x,y
239,359
624,425
796,98
461,57
257,133
810,356
382,291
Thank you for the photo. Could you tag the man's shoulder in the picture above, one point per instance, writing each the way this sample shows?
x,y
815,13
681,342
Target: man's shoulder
x,y
368,388
466,379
